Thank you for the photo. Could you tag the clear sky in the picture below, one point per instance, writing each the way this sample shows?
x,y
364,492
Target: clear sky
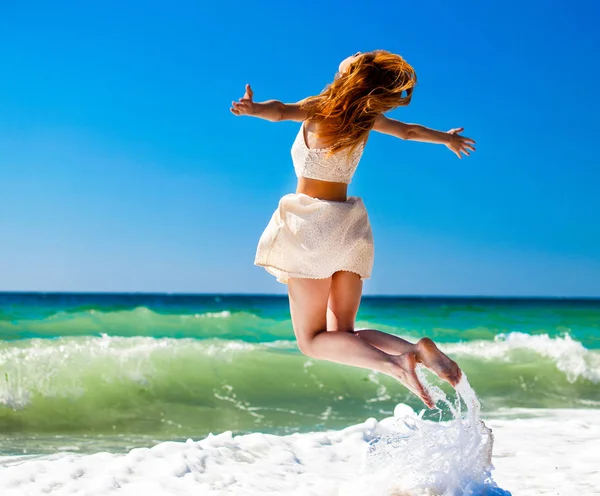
x,y
121,168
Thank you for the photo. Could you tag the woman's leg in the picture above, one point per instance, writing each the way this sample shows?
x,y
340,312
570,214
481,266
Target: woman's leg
x,y
344,299
308,307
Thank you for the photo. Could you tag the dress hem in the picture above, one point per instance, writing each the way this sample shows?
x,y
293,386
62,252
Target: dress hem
x,y
276,271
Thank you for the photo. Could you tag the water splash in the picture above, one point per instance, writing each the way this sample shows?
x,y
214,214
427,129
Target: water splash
x,y
421,457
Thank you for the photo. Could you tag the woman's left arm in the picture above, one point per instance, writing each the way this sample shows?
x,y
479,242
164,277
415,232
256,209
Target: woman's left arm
x,y
415,132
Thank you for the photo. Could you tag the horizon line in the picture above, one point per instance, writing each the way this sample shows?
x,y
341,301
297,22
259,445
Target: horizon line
x,y
283,295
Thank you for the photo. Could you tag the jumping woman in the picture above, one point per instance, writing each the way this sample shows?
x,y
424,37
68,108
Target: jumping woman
x,y
319,240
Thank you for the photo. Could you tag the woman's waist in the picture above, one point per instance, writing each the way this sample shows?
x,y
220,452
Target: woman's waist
x,y
322,190
301,202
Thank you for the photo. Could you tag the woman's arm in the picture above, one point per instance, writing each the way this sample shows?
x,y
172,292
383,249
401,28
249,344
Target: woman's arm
x,y
415,132
271,110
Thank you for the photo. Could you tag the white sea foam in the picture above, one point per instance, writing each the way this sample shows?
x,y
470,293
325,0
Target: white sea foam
x,y
555,452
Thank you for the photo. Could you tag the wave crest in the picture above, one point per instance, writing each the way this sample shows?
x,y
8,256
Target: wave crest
x,y
568,355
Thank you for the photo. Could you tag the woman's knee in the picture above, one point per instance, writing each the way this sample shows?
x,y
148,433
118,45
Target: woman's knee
x,y
306,343
305,347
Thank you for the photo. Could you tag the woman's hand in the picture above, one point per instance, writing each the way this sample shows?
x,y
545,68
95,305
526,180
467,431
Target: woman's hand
x,y
459,144
245,105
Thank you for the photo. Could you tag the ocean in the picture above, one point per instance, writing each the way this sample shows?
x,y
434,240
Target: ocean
x,y
85,374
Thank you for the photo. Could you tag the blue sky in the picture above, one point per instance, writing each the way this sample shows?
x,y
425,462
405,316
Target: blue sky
x,y
121,168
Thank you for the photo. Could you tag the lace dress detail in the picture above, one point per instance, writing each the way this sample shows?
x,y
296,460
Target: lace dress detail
x,y
312,238
316,163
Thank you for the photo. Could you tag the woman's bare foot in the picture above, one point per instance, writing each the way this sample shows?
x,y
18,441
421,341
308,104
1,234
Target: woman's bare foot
x,y
404,370
430,356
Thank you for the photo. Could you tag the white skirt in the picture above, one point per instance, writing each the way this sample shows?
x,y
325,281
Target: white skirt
x,y
311,238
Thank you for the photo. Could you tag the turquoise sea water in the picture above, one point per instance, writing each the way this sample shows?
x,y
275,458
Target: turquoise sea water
x,y
92,372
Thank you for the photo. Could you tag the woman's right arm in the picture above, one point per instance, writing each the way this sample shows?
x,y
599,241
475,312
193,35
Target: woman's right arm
x,y
271,110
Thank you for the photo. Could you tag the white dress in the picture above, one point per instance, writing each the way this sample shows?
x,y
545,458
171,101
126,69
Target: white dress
x,y
312,238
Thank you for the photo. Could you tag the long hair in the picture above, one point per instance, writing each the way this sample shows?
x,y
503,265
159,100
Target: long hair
x,y
345,110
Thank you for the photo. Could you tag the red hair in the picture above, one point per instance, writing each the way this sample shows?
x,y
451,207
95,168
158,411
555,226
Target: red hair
x,y
345,111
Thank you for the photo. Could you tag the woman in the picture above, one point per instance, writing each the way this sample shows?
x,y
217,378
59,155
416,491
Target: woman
x,y
319,240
